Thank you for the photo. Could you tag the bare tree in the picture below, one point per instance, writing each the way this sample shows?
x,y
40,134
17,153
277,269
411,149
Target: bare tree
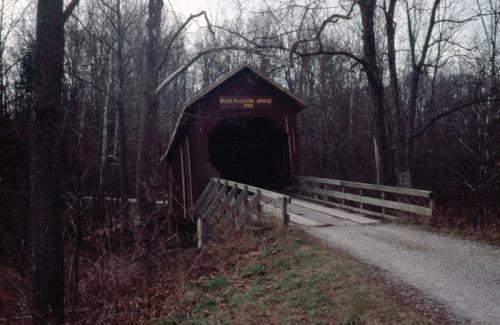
x,y
370,64
417,69
121,128
390,28
11,15
376,88
46,204
149,115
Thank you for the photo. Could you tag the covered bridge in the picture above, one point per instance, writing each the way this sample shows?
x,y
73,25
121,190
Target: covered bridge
x,y
241,128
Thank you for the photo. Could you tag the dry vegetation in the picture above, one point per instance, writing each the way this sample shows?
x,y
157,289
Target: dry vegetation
x,y
456,221
263,273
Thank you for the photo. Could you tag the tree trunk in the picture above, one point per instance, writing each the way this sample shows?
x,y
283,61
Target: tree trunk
x,y
3,106
122,132
104,130
376,88
46,136
412,114
390,27
416,72
149,116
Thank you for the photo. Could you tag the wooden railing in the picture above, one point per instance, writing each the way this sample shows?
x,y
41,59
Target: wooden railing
x,y
375,200
222,197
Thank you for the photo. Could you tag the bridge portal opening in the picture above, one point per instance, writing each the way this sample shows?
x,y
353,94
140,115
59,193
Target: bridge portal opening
x,y
253,151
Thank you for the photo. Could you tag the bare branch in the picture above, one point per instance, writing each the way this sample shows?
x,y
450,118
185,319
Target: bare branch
x,y
457,21
195,58
179,31
335,53
69,9
432,23
333,19
253,41
330,20
449,112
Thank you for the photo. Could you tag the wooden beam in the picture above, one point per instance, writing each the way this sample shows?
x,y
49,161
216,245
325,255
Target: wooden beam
x,y
237,207
366,186
284,211
201,232
253,189
258,199
372,201
203,195
350,208
210,196
227,200
214,204
241,198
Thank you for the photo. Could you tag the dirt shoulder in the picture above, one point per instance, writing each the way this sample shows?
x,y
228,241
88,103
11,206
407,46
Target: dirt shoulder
x,y
289,277
489,235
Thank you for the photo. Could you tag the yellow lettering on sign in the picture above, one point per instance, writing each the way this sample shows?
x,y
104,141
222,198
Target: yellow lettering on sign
x,y
264,100
244,102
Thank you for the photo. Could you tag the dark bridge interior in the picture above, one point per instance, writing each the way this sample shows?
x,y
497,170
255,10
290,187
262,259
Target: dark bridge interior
x,y
253,151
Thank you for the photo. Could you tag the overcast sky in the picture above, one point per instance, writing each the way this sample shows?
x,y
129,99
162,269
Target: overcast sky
x,y
181,7
187,7
217,10
223,10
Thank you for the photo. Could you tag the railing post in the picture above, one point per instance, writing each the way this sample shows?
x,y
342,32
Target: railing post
x,y
382,196
325,197
342,188
239,207
361,203
259,210
432,206
284,210
200,227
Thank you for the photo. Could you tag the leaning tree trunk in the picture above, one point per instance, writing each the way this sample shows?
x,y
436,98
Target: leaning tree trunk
x,y
376,88
149,116
416,73
46,136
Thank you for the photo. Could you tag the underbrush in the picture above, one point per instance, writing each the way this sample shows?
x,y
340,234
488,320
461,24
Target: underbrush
x,y
125,273
462,221
143,284
261,273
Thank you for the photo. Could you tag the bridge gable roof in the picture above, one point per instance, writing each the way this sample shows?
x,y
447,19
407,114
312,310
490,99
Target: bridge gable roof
x,y
187,111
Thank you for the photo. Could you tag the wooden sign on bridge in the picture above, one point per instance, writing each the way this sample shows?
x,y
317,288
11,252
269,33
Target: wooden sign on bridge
x,y
227,102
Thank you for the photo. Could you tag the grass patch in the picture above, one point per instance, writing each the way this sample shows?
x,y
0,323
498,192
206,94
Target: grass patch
x,y
286,277
216,283
206,304
257,269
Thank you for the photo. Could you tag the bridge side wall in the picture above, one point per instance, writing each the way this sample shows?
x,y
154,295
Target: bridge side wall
x,y
189,167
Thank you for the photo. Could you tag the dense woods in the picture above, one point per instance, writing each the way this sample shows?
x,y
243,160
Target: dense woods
x,y
398,92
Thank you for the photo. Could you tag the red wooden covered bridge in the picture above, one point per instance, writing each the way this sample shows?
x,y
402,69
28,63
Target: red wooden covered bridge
x,y
235,146
241,128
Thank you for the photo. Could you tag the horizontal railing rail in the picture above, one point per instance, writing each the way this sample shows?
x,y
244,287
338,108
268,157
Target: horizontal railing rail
x,y
118,199
363,197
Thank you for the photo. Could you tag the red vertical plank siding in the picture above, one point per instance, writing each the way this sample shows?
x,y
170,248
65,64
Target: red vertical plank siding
x,y
188,158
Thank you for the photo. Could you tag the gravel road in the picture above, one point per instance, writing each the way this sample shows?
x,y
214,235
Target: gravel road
x,y
461,274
